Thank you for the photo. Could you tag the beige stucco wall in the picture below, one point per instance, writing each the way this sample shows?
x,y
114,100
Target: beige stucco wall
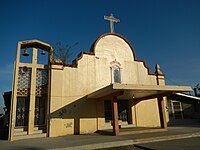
x,y
113,47
147,113
72,113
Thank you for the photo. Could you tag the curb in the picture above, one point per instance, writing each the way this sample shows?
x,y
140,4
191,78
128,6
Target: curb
x,y
130,142
165,138
99,145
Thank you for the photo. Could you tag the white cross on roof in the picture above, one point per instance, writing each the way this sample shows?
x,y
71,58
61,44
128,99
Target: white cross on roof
x,y
112,20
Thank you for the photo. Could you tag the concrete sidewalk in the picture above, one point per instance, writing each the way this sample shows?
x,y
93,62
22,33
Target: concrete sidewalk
x,y
177,144
96,141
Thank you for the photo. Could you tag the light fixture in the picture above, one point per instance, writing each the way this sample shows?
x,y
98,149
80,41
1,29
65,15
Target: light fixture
x,y
43,52
25,52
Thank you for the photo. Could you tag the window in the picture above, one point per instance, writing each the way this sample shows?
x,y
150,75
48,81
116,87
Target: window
x,y
116,74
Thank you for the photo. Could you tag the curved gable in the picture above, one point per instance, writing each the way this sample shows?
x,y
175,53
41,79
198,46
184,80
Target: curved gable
x,y
113,46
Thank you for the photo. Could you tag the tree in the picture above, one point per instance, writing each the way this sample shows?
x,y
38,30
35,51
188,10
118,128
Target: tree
x,y
63,52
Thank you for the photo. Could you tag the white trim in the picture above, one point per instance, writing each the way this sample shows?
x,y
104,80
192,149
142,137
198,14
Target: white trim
x,y
189,96
113,66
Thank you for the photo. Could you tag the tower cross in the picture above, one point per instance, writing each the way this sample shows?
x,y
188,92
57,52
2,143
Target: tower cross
x,y
112,20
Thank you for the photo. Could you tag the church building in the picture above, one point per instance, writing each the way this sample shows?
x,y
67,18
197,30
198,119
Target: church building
x,y
103,91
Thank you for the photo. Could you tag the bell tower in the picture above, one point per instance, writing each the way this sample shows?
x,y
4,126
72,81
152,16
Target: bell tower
x,y
30,89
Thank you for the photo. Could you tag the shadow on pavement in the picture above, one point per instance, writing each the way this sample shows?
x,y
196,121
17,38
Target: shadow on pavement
x,y
3,133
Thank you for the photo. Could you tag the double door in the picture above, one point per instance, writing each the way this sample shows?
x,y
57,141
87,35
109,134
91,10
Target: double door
x,y
23,111
122,110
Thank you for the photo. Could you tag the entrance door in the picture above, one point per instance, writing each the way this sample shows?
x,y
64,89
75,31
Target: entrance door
x,y
122,110
108,110
22,111
40,111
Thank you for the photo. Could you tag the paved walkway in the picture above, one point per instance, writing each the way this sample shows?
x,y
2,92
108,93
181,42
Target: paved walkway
x,y
178,144
96,141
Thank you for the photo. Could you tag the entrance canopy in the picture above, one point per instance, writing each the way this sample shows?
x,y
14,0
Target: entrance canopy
x,y
136,91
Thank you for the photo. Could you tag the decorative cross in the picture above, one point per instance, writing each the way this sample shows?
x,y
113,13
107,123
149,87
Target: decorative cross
x,y
112,20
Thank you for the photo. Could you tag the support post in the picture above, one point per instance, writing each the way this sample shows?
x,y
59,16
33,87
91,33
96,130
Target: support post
x,y
32,93
115,116
161,107
48,116
14,95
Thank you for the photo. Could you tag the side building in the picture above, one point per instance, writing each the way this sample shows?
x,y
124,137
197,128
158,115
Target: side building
x,y
183,108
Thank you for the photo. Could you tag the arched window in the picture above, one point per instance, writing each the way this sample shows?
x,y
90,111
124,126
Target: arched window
x,y
117,78
116,74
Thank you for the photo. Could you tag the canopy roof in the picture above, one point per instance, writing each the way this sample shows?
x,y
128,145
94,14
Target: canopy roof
x,y
189,96
136,91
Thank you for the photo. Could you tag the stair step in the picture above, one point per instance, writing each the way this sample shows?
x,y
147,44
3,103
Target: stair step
x,y
21,137
40,128
23,132
19,130
20,133
128,126
16,133
37,131
122,124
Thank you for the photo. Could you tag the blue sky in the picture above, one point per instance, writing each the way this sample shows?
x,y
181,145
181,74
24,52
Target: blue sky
x,y
166,32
